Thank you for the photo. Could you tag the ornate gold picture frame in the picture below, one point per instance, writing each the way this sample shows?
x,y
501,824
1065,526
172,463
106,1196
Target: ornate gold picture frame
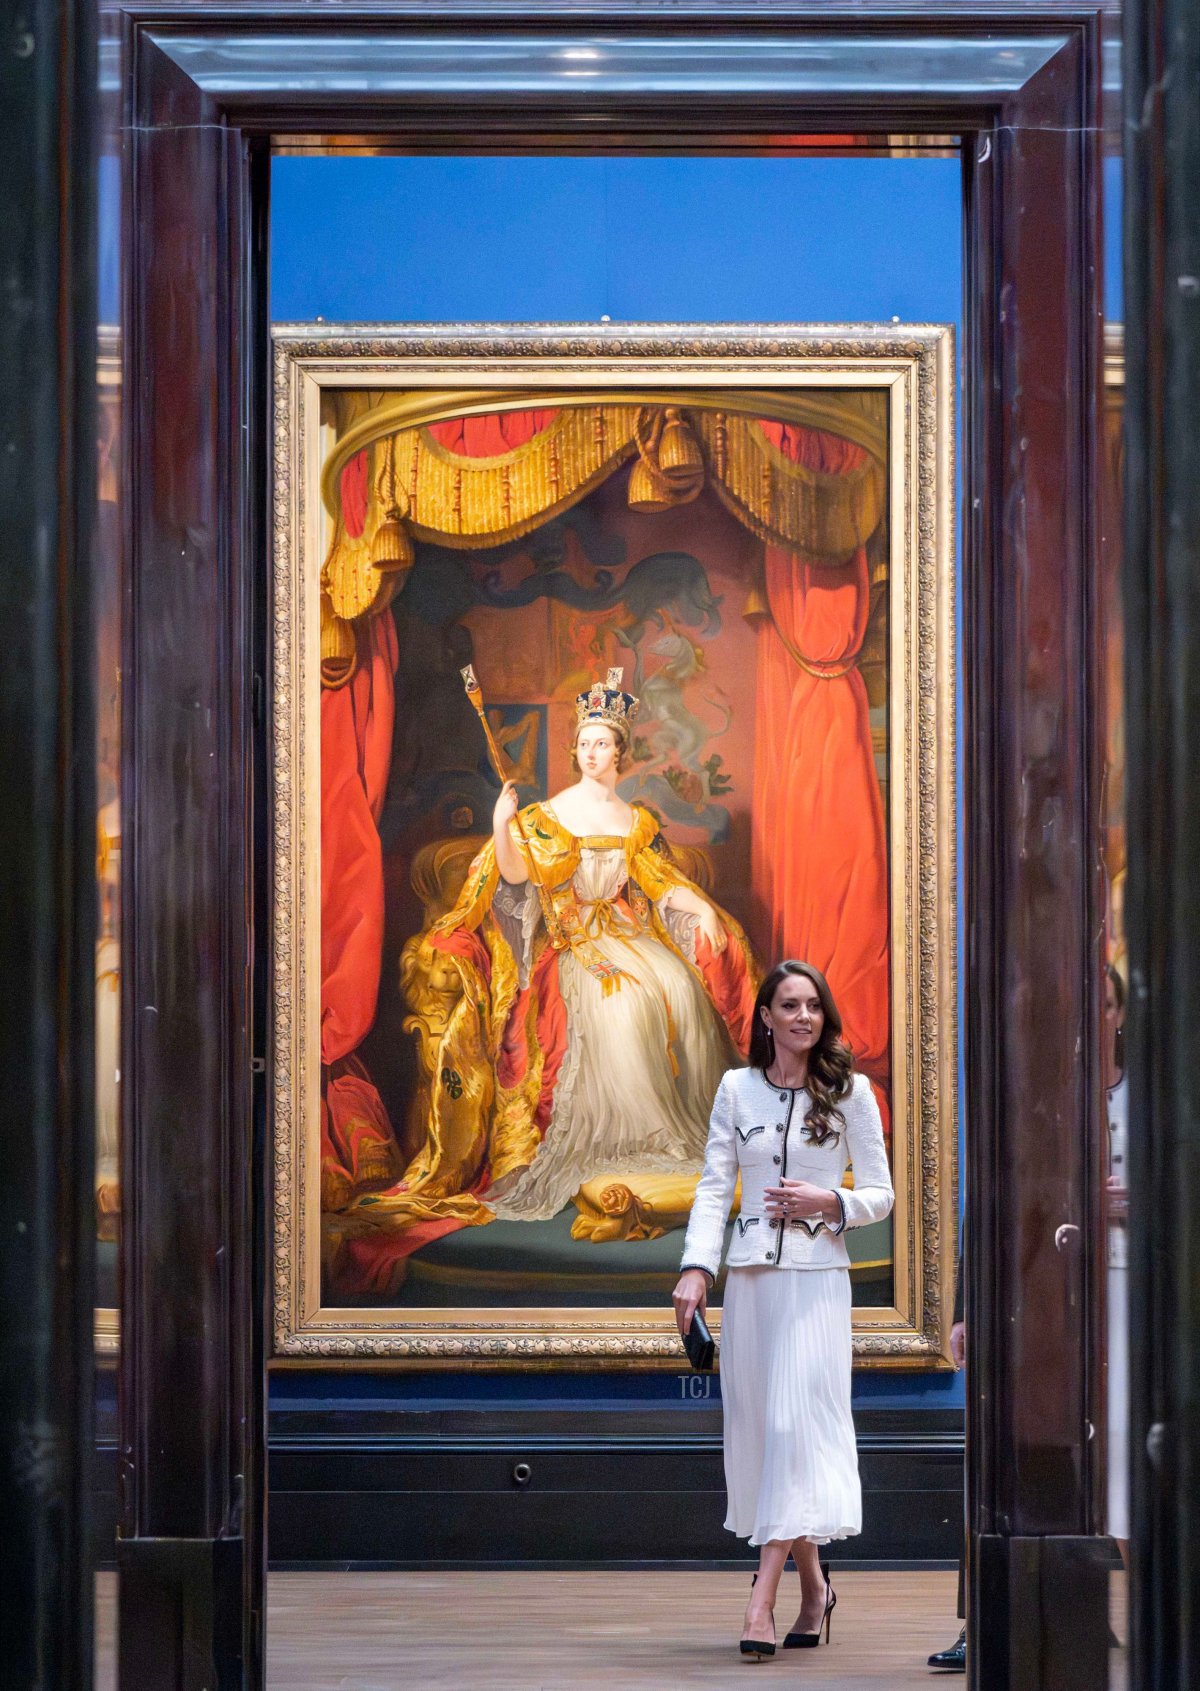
x,y
443,466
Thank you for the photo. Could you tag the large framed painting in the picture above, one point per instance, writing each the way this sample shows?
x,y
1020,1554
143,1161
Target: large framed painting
x,y
497,1033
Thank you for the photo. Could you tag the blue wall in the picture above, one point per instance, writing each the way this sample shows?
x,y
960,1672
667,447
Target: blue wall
x,y
649,239
527,239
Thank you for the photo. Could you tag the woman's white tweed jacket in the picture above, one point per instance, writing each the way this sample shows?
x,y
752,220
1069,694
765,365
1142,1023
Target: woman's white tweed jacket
x,y
757,1130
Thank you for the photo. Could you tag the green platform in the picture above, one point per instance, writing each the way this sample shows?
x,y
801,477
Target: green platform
x,y
513,1264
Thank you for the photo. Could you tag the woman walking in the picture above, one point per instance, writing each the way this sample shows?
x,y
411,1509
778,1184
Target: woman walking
x,y
789,1124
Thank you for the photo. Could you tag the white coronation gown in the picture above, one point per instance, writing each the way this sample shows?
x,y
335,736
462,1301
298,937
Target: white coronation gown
x,y
620,1108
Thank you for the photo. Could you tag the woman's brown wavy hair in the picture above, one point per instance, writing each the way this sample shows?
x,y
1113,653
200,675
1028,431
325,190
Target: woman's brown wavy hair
x,y
830,1062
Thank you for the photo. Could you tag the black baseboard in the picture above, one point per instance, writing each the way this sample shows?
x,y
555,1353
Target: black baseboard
x,y
508,1485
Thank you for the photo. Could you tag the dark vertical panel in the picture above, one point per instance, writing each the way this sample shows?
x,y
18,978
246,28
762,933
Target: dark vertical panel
x,y
1033,965
250,368
47,843
191,1411
1162,682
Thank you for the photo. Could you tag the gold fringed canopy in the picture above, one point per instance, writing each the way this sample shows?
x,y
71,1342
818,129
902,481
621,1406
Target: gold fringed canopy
x,y
784,503
459,500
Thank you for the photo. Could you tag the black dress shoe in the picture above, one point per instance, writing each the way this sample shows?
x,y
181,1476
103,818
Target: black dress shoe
x,y
953,1660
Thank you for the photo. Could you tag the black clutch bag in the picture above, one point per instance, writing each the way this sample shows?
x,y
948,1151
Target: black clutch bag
x,y
698,1342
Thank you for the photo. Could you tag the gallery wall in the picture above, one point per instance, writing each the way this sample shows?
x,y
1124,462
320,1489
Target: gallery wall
x,y
651,239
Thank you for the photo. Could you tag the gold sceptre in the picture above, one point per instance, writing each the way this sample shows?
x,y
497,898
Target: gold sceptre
x,y
475,694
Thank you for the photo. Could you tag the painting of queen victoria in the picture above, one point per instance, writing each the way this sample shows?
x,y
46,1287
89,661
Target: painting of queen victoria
x,y
547,898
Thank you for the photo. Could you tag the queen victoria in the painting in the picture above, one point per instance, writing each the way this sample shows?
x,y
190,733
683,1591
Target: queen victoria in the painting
x,y
623,993
576,1007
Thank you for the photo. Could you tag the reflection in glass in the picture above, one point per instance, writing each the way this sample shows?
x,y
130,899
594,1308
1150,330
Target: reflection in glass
x,y
1115,1148
106,589
108,830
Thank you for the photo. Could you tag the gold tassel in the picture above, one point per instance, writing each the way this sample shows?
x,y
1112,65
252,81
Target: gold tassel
x,y
669,469
391,547
339,647
647,491
679,459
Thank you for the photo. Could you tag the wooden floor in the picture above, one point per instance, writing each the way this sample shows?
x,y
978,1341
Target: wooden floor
x,y
555,1631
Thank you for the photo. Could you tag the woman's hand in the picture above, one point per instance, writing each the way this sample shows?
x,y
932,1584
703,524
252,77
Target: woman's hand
x,y
712,929
1117,1194
691,903
802,1200
690,1295
505,808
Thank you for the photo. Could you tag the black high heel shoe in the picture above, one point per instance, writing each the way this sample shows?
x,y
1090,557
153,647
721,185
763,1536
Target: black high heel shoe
x,y
758,1648
810,1640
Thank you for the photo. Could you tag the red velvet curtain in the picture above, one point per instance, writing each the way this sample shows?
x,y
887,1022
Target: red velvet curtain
x,y
819,854
358,1147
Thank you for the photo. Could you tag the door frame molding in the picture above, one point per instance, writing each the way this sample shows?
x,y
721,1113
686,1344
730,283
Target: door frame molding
x,y
205,89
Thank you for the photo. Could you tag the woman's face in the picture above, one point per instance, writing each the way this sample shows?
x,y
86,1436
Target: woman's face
x,y
795,1015
596,752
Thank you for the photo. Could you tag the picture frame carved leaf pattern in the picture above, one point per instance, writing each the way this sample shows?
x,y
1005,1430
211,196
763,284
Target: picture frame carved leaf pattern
x,y
755,526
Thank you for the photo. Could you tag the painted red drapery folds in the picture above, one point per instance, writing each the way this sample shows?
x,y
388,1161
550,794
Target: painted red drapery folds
x,y
358,1148
492,433
356,489
819,854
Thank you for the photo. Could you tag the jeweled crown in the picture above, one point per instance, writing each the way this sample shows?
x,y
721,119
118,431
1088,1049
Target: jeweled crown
x,y
605,701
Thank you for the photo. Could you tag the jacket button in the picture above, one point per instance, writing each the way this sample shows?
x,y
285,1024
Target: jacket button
x,y
779,1127
775,1223
776,1159
768,1256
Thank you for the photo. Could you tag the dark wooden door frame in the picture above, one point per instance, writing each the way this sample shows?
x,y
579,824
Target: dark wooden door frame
x,y
48,854
205,89
1162,651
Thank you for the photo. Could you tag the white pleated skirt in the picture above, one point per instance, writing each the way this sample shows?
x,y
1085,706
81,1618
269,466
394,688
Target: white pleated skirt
x,y
791,1462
